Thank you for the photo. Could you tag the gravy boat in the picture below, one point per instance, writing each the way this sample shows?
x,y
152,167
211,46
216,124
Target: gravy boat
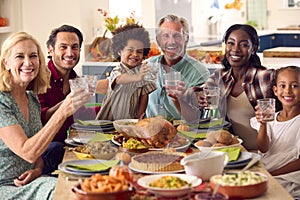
x,y
204,167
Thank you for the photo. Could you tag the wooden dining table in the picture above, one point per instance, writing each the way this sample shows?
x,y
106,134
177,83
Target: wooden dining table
x,y
66,181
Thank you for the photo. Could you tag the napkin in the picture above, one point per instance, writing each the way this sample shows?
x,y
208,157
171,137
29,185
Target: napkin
x,y
95,167
212,123
194,135
233,152
101,137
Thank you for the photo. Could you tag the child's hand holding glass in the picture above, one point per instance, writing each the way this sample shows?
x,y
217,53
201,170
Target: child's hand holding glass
x,y
152,70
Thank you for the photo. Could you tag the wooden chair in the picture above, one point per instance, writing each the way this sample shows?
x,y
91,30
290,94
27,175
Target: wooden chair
x,y
102,86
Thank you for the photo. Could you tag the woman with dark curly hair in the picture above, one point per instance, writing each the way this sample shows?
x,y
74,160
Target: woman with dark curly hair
x,y
127,95
242,81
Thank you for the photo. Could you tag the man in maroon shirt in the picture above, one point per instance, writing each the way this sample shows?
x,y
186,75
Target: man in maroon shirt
x,y
63,45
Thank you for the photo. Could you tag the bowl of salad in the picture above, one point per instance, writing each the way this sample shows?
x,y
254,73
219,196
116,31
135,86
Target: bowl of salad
x,y
169,185
243,185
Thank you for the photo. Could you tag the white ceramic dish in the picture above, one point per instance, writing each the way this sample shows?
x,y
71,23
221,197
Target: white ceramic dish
x,y
146,180
151,172
201,148
205,164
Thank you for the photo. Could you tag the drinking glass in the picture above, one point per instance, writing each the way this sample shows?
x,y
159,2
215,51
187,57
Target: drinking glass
x,y
152,75
92,83
212,95
172,80
79,83
266,107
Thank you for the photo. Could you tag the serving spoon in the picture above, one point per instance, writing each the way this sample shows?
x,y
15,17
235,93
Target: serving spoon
x,y
252,162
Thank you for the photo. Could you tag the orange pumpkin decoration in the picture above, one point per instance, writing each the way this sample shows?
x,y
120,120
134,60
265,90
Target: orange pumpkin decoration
x,y
154,50
3,21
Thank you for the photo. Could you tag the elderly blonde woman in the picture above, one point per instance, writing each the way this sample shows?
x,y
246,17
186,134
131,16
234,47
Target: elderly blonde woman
x,y
23,75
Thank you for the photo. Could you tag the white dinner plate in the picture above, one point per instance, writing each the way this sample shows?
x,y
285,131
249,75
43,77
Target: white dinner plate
x,y
151,172
169,192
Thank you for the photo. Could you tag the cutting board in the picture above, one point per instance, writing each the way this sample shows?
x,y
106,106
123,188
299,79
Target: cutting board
x,y
286,52
290,28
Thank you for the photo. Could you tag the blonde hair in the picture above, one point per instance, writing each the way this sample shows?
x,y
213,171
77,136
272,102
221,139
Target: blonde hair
x,y
41,82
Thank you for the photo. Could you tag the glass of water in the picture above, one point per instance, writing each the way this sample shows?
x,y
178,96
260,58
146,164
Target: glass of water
x,y
92,83
79,83
152,75
212,96
172,80
267,109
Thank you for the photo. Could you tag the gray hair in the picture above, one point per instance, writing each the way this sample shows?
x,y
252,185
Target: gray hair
x,y
174,18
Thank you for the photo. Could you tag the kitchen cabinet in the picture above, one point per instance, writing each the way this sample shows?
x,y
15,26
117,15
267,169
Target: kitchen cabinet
x,y
266,42
278,40
288,40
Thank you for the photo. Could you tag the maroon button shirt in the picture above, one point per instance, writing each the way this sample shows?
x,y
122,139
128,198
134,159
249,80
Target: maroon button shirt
x,y
55,95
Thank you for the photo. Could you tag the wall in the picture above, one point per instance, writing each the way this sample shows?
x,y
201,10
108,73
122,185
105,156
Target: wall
x,y
41,16
278,16
202,26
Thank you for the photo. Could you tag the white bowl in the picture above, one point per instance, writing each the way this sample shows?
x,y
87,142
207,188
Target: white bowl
x,y
205,164
201,148
146,180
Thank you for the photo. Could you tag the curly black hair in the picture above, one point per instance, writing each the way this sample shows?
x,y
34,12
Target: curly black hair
x,y
254,39
129,31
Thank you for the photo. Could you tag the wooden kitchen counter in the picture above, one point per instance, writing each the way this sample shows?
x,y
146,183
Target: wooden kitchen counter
x,y
65,183
286,52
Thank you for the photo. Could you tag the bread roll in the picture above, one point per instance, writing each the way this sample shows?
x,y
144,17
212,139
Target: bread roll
x,y
183,127
224,137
